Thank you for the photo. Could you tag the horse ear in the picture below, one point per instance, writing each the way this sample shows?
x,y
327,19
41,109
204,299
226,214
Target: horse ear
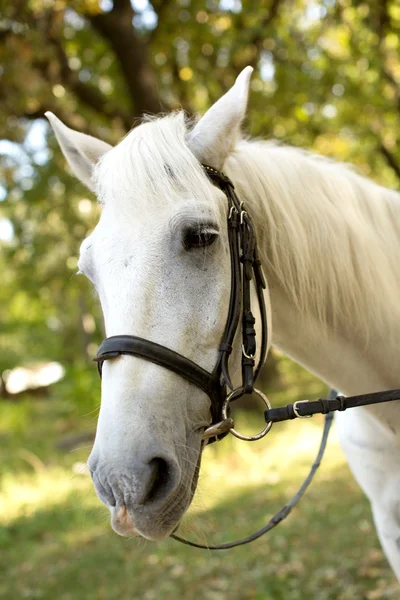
x,y
215,135
81,151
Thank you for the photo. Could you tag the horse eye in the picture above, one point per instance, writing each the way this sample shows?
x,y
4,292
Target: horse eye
x,y
199,238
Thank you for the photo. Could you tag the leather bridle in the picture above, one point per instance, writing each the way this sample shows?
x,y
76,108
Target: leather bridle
x,y
245,268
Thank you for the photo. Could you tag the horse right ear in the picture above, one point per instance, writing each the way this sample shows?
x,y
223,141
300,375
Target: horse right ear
x,y
217,132
81,151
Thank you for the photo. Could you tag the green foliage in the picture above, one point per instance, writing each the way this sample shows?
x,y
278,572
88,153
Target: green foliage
x,y
326,78
81,386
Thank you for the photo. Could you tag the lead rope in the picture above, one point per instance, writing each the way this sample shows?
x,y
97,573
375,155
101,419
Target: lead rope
x,y
286,510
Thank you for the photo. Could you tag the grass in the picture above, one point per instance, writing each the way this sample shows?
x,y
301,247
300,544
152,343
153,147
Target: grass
x,y
56,543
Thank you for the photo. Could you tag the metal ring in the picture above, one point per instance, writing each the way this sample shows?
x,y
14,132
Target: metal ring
x,y
224,411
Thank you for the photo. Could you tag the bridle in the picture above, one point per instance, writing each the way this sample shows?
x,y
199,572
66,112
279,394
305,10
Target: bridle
x,y
245,268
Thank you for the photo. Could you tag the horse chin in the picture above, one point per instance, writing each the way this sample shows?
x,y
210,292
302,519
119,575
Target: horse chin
x,y
125,525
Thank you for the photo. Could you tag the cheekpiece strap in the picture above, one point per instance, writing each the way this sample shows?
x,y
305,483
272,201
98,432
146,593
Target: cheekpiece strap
x,y
245,266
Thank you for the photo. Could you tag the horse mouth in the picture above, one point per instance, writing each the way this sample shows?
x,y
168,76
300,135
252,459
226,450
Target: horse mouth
x,y
140,523
122,522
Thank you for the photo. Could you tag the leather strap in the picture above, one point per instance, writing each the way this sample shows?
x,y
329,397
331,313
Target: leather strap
x,y
325,405
243,249
116,345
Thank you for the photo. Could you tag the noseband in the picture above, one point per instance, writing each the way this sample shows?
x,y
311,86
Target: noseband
x,y
245,267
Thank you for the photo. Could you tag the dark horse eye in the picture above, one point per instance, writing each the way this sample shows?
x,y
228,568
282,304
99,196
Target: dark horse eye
x,y
199,238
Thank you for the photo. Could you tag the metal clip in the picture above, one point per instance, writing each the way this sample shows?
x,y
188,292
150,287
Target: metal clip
x,y
242,212
231,212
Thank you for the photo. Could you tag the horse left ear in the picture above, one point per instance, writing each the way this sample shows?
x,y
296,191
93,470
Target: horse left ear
x,y
215,135
81,151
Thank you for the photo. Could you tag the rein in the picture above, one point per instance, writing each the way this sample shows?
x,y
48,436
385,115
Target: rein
x,y
303,409
245,267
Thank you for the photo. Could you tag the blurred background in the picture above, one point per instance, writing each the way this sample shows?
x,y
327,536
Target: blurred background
x,y
326,78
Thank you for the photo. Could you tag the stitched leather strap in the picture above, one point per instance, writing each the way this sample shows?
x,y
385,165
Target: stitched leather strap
x,y
325,405
116,345
243,249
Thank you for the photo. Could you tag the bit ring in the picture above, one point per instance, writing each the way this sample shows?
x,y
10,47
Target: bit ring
x,y
224,410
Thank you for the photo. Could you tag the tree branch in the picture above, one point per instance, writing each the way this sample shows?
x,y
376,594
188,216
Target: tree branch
x,y
380,25
160,7
392,82
122,6
390,158
382,17
132,54
38,113
87,94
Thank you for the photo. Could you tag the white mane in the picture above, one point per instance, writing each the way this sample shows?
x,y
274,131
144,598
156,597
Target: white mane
x,y
304,201
332,237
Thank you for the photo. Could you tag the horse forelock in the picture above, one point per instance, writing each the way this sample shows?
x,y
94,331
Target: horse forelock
x,y
151,166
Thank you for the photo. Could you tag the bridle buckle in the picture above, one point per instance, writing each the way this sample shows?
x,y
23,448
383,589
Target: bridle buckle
x,y
250,356
232,211
296,410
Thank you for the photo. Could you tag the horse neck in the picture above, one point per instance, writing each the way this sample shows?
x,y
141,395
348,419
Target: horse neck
x,y
330,242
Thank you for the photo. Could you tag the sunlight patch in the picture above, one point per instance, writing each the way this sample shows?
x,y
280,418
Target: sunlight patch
x,y
24,495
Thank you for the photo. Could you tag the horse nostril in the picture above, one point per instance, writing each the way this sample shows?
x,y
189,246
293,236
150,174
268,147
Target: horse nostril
x,y
160,480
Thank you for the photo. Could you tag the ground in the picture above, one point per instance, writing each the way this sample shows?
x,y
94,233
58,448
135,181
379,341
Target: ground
x,y
56,542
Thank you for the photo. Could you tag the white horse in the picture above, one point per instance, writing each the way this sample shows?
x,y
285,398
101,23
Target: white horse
x,y
159,259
